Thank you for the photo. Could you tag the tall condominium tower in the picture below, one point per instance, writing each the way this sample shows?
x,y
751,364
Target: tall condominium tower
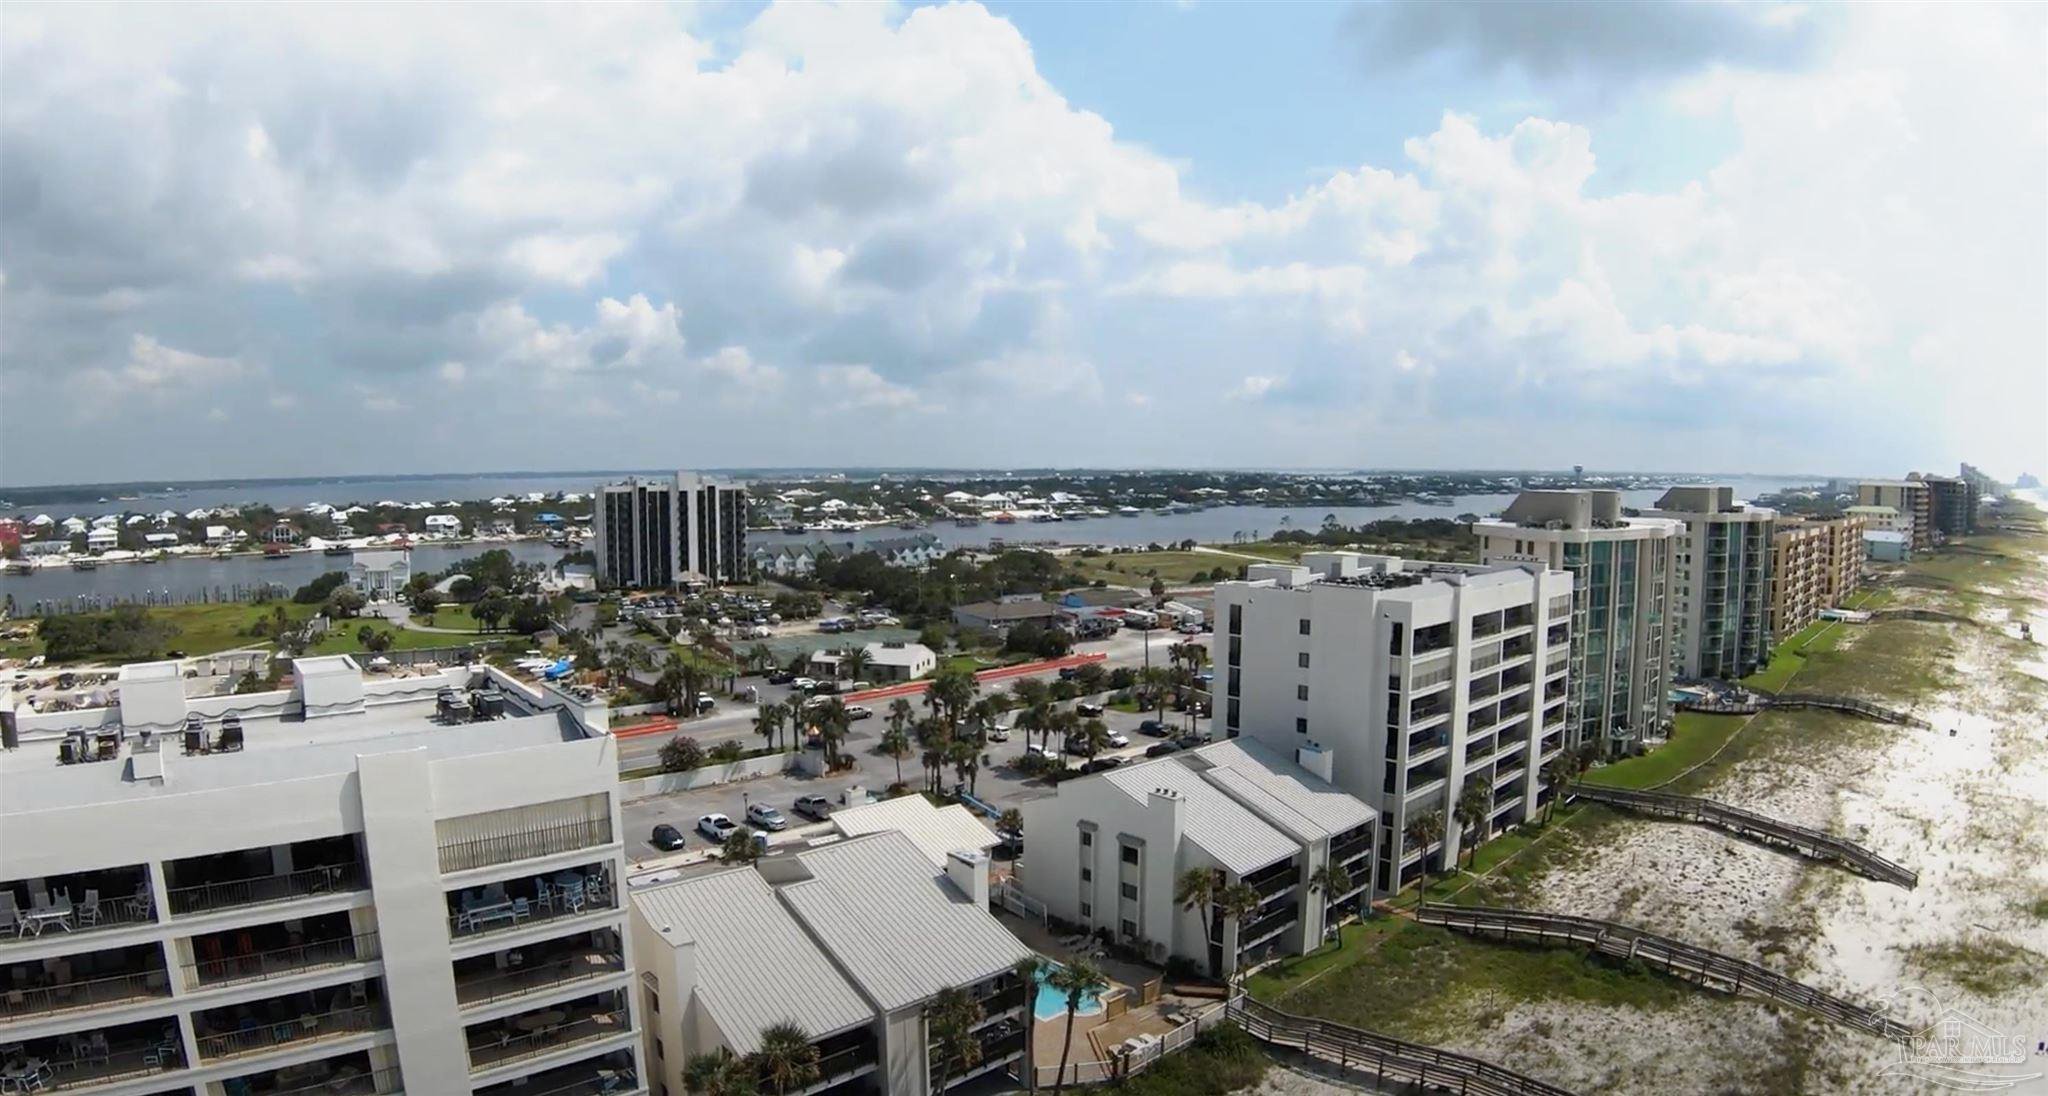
x,y
660,532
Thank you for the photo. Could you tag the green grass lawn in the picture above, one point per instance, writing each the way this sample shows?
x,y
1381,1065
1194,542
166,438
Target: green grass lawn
x,y
1792,654
1694,739
1140,568
341,638
1279,553
456,617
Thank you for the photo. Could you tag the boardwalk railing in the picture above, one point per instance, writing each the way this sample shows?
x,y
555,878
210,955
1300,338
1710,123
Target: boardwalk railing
x,y
1675,957
1816,844
1387,1058
1137,1059
1850,705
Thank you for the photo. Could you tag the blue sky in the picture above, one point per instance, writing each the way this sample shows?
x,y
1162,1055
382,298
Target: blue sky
x,y
305,240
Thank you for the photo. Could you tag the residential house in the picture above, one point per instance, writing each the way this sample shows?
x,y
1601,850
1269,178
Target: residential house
x,y
282,532
221,536
1003,614
444,524
104,538
380,574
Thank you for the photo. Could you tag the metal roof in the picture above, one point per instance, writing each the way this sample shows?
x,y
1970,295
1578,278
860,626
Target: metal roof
x,y
935,831
756,966
1231,833
1301,791
894,922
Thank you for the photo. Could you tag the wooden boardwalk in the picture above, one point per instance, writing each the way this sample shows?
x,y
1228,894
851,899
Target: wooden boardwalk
x,y
1387,1058
1814,844
1753,702
1675,957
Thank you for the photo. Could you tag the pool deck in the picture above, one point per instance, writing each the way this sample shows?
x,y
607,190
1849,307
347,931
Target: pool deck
x,y
1094,1034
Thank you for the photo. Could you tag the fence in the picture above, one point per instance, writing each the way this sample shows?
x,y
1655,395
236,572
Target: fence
x,y
1808,842
1135,1059
1014,900
1675,957
1390,1059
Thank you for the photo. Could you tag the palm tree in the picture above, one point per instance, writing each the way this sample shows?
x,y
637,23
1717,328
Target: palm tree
x,y
799,719
760,657
739,847
1064,722
719,1074
1424,830
1027,970
787,1060
1557,772
1471,810
854,661
1154,680
951,692
1331,879
1094,735
1195,891
1079,980
1237,902
768,722
1011,821
896,744
966,761
949,1020
833,723
901,713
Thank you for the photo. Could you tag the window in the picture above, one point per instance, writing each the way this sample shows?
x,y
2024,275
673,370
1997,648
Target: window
x,y
1301,692
657,1051
1300,725
1304,625
1130,928
1130,854
654,1000
1301,660
1230,716
1130,891
1087,875
1087,838
1087,910
1236,619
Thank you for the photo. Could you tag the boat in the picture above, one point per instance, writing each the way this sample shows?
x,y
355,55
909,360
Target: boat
x,y
967,522
338,550
910,523
1006,518
85,564
19,567
1128,511
793,527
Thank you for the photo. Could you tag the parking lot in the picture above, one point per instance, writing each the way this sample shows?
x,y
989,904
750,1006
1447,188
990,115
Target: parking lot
x,y
998,783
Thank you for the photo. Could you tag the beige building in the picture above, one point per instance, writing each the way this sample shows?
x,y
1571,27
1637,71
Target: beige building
x,y
1914,501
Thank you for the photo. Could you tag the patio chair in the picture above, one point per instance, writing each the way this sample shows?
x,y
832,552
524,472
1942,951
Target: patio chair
x,y
520,910
543,895
89,914
10,917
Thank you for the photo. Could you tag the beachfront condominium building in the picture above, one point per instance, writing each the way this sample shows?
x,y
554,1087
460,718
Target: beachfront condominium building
x,y
1421,679
662,532
848,942
352,885
1108,852
1815,564
1911,498
1951,503
1622,570
1723,626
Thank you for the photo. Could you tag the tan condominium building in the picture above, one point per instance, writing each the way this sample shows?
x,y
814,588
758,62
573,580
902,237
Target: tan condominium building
x,y
1723,587
1914,501
1815,563
1622,570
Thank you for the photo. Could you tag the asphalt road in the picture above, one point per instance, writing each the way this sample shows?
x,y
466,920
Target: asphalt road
x,y
734,720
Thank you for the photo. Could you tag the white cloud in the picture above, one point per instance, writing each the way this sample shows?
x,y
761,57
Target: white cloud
x,y
1255,387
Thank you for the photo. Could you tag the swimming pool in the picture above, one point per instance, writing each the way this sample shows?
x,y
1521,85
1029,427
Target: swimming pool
x,y
1051,1003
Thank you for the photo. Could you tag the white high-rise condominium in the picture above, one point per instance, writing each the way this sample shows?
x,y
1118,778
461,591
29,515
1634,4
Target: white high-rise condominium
x,y
1622,570
351,886
1421,679
1723,626
655,533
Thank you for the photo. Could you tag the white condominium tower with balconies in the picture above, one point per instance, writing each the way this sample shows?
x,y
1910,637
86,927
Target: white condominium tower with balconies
x,y
1422,679
400,883
1723,627
1622,570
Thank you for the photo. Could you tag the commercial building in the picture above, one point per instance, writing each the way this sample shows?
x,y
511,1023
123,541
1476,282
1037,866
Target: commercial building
x,y
1108,851
1421,679
1951,503
657,533
1882,519
1622,570
1815,564
891,661
351,886
1006,613
848,941
1882,546
1723,627
1911,498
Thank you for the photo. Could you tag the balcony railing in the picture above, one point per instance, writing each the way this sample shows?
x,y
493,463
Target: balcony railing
x,y
591,1082
1349,849
461,928
482,852
1267,888
360,1084
325,1025
470,992
1267,927
1001,1001
282,962
138,1060
511,1047
24,1001
839,1063
207,897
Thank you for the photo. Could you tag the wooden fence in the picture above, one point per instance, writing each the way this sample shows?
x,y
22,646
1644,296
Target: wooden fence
x,y
1675,957
1811,843
1387,1058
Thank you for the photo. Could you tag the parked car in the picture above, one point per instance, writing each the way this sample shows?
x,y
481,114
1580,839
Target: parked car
x,y
766,817
803,684
666,838
1118,740
825,688
1069,673
1035,750
999,733
1076,745
858,711
1161,749
815,807
1090,710
1152,727
717,827
781,677
1102,764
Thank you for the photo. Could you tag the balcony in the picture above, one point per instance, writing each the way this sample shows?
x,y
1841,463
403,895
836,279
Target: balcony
x,y
1351,848
295,1019
1427,715
547,1030
266,952
255,877
99,979
1423,787
529,901
1274,878
101,1056
1267,927
72,904
568,835
347,1075
1482,690
590,1077
998,1042
486,979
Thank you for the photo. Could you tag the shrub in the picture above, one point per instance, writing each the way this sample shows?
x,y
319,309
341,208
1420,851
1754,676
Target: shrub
x,y
681,754
316,591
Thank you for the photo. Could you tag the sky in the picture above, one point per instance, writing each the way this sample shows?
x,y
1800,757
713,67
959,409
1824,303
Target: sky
x,y
306,240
